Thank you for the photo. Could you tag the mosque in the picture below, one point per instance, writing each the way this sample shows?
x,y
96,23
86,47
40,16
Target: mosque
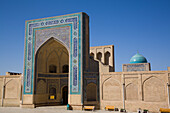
x,y
60,68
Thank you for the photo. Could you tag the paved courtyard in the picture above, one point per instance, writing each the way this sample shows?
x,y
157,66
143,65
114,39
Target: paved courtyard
x,y
47,110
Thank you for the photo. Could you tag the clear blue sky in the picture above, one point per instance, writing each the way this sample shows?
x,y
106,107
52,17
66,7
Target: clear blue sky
x,y
130,25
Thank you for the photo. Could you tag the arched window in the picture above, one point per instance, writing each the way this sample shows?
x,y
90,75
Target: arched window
x,y
52,69
65,69
99,56
106,58
92,55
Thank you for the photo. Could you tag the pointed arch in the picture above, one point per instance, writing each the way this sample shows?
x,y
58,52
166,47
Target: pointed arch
x,y
47,41
50,53
11,89
131,92
91,90
92,55
49,64
106,58
99,56
153,90
111,89
151,77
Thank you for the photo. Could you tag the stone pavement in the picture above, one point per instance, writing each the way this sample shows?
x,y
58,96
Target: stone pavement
x,y
54,109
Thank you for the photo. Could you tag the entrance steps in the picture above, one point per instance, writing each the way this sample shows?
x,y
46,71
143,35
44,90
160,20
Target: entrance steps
x,y
56,107
51,105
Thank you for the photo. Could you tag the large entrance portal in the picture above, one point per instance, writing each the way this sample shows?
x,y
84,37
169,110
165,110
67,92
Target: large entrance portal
x,y
51,70
56,52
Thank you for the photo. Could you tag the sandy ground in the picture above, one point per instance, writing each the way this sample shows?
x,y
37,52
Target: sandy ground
x,y
47,110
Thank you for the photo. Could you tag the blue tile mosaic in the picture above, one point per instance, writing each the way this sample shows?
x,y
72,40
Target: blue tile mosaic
x,y
75,47
28,79
29,51
75,75
60,33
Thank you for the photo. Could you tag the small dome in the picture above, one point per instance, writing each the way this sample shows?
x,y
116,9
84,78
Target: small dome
x,y
138,58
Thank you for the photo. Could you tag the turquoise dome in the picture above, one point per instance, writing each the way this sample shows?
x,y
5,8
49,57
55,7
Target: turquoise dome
x,y
138,58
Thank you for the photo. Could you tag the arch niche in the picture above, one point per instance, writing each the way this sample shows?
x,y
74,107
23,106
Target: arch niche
x,y
106,58
91,91
50,59
154,90
99,56
111,90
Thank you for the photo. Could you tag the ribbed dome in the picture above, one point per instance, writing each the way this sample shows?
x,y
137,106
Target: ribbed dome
x,y
138,58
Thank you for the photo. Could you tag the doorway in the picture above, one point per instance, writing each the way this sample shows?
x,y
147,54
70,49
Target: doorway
x,y
65,95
